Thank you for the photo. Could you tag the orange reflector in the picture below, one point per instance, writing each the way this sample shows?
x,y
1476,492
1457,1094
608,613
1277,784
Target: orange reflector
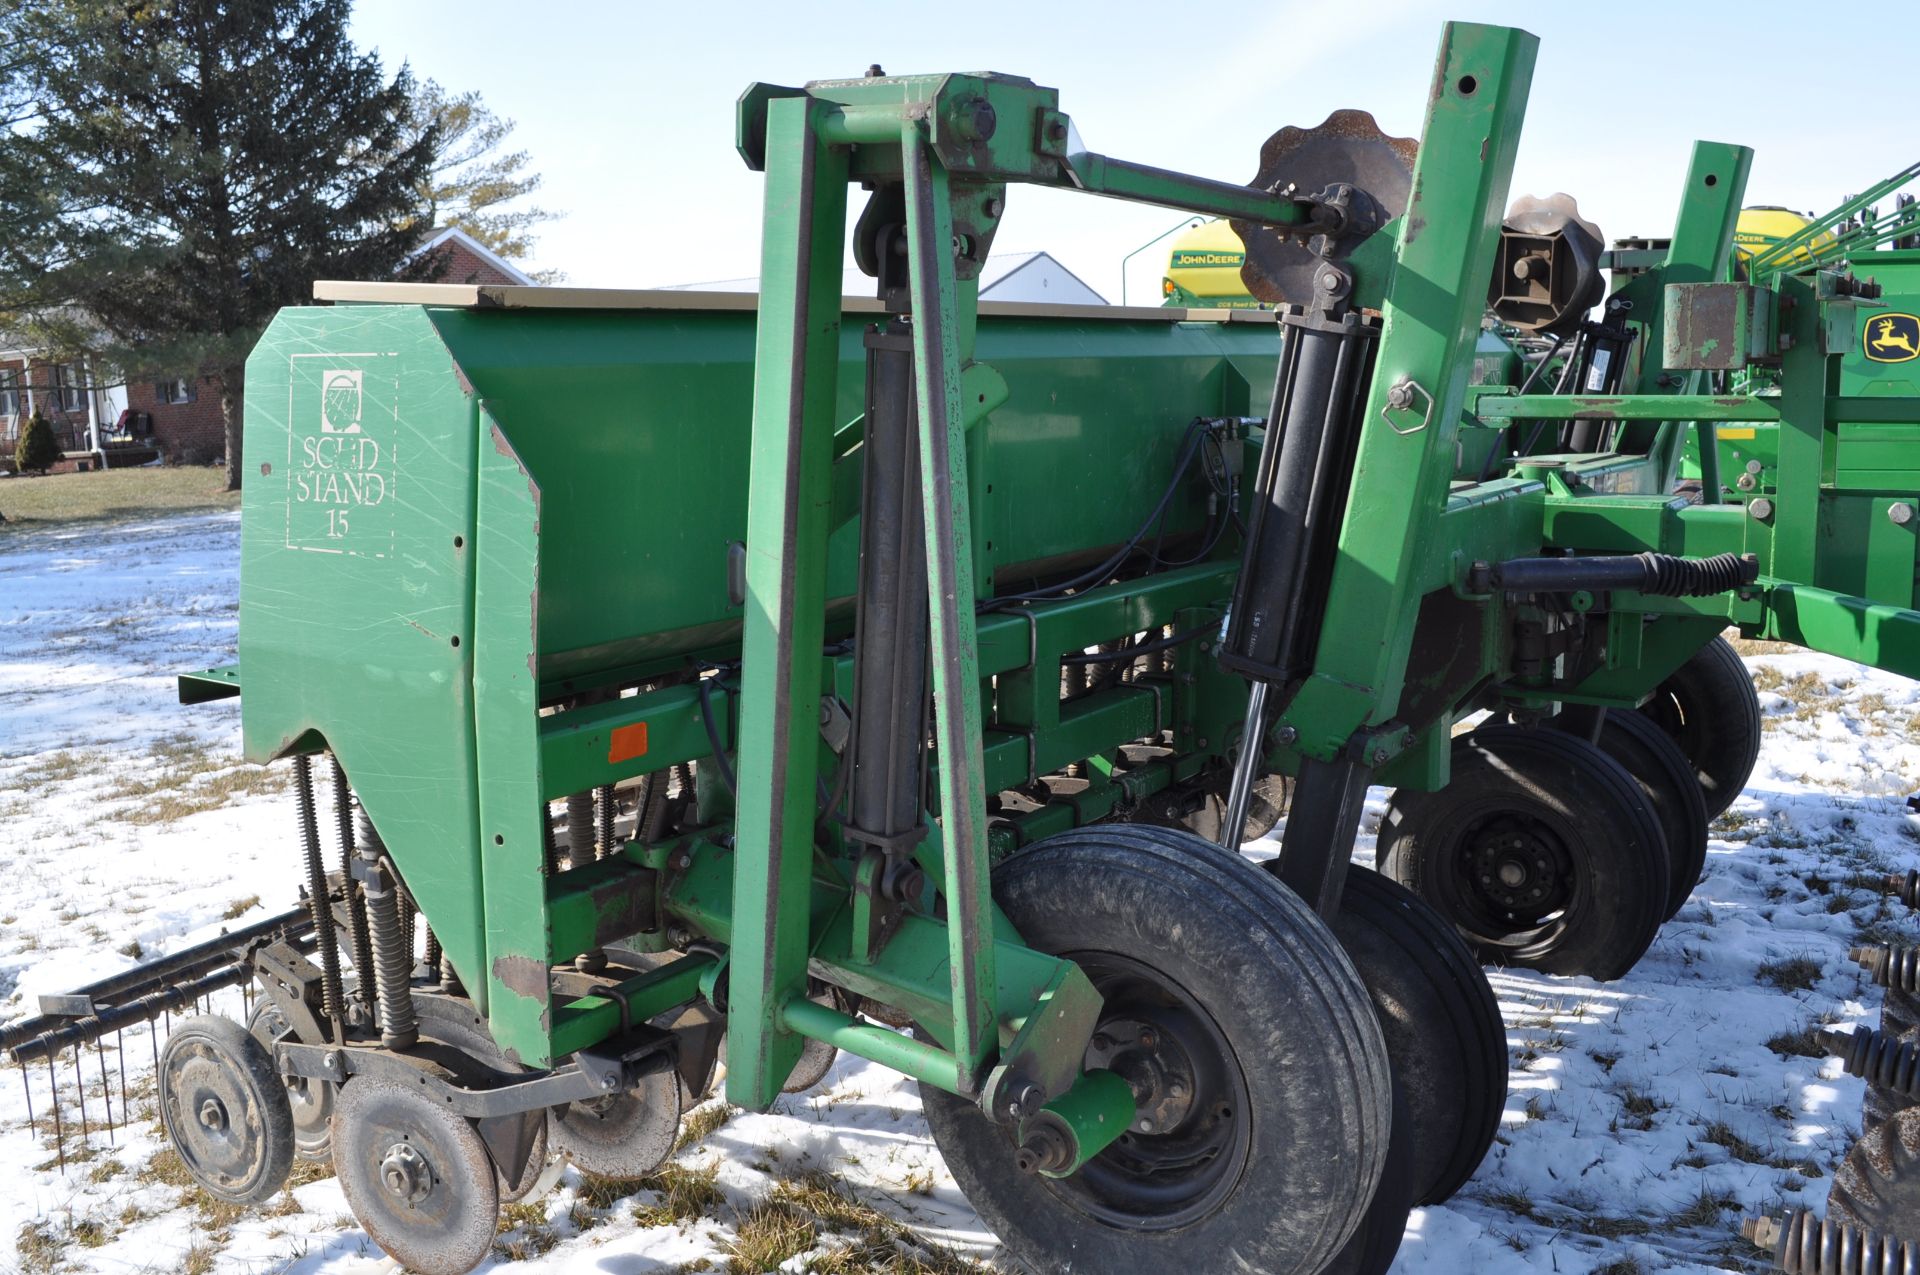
x,y
627,743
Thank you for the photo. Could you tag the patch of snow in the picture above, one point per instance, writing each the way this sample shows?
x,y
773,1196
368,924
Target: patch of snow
x,y
1646,1115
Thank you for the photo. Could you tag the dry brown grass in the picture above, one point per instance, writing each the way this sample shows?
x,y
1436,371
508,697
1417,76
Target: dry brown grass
x,y
115,494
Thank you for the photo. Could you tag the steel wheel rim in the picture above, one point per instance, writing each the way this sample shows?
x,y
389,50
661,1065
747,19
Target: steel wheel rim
x,y
1161,1178
1512,880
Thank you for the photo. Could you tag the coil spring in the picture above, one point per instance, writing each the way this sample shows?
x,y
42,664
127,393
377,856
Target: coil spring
x,y
1896,968
579,829
359,944
318,898
548,849
607,813
392,958
1807,1245
1905,888
1879,1059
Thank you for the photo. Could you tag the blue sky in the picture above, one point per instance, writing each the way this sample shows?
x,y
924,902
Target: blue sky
x,y
627,108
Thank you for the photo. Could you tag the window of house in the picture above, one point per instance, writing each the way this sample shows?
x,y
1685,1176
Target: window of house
x,y
173,393
68,384
9,393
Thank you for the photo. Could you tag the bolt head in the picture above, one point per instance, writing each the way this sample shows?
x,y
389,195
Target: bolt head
x,y
1900,513
1144,1124
1761,509
1400,397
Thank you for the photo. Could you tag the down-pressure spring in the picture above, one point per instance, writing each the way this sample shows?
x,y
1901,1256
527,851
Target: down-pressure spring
x,y
1906,888
1806,1245
1897,968
1879,1059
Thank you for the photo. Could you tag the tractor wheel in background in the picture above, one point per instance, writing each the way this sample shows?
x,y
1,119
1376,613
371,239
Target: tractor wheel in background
x,y
1374,1246
416,1175
1878,1185
225,1110
1242,1026
1444,1033
1542,851
1666,776
1709,708
311,1101
1899,1019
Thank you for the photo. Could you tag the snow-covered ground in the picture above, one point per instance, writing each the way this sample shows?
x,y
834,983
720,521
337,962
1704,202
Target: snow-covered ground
x,y
1646,1115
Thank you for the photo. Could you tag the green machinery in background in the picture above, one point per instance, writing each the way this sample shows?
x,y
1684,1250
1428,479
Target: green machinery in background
x,y
885,676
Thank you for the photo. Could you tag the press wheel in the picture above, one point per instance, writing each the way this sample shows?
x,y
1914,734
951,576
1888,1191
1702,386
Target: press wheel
x,y
1663,772
625,1135
1443,1029
1542,851
451,1020
311,1101
1709,708
417,1176
1374,1246
1259,1072
225,1111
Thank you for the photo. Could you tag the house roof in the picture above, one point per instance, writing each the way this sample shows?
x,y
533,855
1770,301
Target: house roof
x,y
453,234
853,283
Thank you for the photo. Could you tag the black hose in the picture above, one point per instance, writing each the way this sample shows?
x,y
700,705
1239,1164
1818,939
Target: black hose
x,y
1189,448
713,738
1145,648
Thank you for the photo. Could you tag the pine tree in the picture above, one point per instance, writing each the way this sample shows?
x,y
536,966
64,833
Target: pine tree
x,y
38,450
216,157
473,181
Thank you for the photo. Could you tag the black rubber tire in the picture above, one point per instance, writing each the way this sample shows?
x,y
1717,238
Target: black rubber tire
x,y
1270,982
1606,891
245,1157
1444,1033
1708,706
1878,1185
1666,776
1374,1246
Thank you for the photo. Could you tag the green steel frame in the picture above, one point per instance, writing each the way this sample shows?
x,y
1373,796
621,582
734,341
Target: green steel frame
x,y
484,592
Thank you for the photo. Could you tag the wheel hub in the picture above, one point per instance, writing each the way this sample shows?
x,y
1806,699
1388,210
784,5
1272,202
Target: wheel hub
x,y
406,1174
1153,1063
1518,868
213,1115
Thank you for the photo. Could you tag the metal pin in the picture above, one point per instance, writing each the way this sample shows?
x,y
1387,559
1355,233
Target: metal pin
x,y
120,1050
106,1091
26,1084
59,1134
153,1043
80,1087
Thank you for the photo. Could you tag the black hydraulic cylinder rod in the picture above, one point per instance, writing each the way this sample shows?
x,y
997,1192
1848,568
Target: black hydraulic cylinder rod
x,y
887,750
1655,573
1299,497
177,967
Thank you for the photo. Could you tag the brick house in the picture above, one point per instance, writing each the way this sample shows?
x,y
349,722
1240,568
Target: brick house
x,y
70,395
184,412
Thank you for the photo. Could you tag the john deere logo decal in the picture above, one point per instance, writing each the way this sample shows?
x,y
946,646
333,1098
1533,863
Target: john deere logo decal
x,y
1893,338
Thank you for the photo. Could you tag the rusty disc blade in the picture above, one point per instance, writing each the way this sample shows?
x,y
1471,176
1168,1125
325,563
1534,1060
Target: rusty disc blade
x,y
1348,147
